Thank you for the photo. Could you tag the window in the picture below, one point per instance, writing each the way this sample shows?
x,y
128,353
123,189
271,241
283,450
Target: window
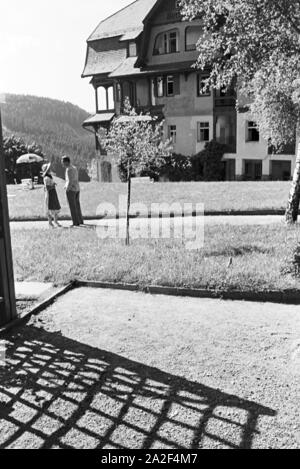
x,y
172,42
170,86
110,98
252,132
153,91
166,43
167,86
160,87
202,89
192,35
203,132
132,51
253,170
172,133
105,98
118,93
101,99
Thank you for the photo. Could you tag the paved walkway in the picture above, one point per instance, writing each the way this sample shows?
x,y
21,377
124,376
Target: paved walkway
x,y
32,290
113,369
188,222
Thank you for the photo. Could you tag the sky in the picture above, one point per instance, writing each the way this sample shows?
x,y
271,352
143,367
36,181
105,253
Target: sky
x,y
43,46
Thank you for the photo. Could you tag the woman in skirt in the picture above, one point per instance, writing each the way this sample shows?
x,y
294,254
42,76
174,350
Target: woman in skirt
x,y
51,199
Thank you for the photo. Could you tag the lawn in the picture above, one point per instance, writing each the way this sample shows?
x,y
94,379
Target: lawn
x,y
216,197
260,258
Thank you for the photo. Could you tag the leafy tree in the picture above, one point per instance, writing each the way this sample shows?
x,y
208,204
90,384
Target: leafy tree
x,y
256,42
13,148
137,141
208,163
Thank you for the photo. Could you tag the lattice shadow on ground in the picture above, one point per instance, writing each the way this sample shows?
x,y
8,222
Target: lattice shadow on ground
x,y
58,393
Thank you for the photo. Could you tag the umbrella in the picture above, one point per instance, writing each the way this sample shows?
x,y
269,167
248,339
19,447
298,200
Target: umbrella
x,y
29,158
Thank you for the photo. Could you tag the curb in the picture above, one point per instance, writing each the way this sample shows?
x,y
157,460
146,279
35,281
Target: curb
x,y
279,297
231,213
38,308
288,297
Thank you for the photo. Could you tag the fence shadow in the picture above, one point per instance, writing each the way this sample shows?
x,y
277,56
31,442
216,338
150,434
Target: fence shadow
x,y
58,393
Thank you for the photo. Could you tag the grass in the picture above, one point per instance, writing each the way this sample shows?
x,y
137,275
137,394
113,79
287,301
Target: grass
x,y
260,254
220,197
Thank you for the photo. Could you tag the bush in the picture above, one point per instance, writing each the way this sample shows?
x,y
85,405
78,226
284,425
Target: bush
x,y
177,168
60,171
207,165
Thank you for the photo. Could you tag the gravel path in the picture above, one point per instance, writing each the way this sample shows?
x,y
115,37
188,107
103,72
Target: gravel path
x,y
113,369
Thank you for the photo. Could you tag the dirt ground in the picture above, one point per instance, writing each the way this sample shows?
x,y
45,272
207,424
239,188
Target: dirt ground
x,y
113,369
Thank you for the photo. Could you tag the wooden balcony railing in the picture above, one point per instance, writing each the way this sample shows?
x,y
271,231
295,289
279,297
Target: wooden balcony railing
x,y
225,101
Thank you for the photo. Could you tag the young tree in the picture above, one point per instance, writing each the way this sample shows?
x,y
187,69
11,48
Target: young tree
x,y
137,142
257,43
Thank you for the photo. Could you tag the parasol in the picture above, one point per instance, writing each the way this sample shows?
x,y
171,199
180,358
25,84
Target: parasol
x,y
30,158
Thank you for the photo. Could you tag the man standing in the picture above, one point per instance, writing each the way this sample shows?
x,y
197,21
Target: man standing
x,y
73,191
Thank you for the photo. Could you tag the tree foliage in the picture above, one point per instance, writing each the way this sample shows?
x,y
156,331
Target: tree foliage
x,y
177,168
137,143
13,148
256,42
208,164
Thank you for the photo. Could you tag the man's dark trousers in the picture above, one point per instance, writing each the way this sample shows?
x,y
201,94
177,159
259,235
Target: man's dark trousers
x,y
74,204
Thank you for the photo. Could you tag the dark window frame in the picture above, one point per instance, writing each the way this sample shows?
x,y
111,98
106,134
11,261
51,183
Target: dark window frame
x,y
170,80
200,78
172,133
161,83
167,41
252,132
203,127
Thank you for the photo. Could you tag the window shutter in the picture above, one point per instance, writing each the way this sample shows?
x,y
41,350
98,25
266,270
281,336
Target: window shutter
x,y
177,84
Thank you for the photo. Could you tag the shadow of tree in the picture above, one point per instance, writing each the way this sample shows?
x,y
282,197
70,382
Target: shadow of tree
x,y
233,251
58,393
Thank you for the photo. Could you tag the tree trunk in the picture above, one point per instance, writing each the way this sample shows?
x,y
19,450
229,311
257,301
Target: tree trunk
x,y
291,214
128,204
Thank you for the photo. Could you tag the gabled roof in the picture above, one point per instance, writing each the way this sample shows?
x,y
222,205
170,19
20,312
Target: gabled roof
x,y
103,62
127,23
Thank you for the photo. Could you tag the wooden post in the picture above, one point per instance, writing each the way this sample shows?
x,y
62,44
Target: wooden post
x,y
7,288
128,202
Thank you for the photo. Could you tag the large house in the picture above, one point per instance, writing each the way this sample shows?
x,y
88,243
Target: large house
x,y
146,52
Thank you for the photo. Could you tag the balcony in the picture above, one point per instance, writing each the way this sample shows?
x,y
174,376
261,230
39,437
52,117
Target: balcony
x,y
154,111
225,101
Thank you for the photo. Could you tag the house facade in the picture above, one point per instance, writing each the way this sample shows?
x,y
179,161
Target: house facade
x,y
146,52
